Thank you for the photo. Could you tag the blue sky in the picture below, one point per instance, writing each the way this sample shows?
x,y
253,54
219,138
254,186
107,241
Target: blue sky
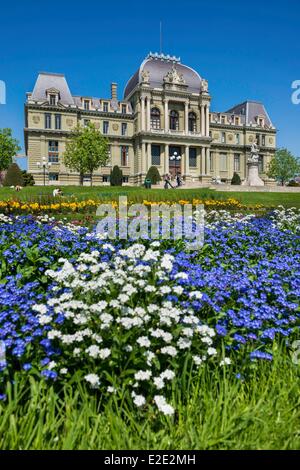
x,y
246,50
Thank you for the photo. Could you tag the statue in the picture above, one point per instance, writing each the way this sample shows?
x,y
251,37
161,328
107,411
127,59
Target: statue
x,y
253,178
145,76
174,77
254,153
204,85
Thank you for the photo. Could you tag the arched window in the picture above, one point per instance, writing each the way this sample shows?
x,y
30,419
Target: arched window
x,y
155,118
174,120
192,122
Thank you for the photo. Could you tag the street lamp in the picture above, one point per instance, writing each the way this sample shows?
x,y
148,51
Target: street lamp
x,y
175,157
45,165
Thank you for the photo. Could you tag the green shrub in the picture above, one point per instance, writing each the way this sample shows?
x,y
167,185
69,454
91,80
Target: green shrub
x,y
13,176
153,175
28,178
293,184
116,176
236,180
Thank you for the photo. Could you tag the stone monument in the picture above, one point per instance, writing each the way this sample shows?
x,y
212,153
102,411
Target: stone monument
x,y
253,178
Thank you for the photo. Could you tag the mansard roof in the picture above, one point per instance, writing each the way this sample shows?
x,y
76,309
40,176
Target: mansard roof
x,y
157,66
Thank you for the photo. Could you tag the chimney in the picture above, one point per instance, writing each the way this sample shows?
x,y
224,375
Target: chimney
x,y
114,91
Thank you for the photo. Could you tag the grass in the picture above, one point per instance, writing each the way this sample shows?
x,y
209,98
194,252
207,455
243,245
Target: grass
x,y
137,194
216,411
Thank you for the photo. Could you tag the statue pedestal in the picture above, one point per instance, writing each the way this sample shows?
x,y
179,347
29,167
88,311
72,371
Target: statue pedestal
x,y
253,178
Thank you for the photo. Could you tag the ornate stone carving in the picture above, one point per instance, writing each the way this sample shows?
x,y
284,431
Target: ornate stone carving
x,y
204,85
115,127
271,140
36,119
251,139
174,77
145,76
230,137
69,122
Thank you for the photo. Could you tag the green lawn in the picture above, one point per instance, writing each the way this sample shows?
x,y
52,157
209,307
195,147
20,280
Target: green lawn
x,y
137,194
216,411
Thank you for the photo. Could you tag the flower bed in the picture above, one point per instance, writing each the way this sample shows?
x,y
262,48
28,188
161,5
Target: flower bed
x,y
130,319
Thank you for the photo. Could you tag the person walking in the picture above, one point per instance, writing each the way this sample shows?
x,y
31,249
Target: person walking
x,y
167,181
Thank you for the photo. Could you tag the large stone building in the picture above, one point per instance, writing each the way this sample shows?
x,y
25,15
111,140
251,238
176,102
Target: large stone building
x,y
164,119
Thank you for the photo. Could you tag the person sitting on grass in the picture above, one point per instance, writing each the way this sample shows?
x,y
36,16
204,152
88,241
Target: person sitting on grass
x,y
57,192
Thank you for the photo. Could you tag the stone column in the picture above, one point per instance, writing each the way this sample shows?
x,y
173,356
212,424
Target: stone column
x,y
187,161
207,121
143,159
149,155
148,114
203,170
207,161
166,115
202,120
143,113
166,164
186,117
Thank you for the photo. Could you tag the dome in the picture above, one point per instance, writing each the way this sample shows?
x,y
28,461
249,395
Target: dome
x,y
156,67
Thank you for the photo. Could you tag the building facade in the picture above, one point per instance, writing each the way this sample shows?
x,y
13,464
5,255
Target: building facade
x,y
164,120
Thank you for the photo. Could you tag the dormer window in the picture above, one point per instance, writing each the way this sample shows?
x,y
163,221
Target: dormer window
x,y
86,105
52,95
223,120
260,121
124,108
105,107
237,121
52,100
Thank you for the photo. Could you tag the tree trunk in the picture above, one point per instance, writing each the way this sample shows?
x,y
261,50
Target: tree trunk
x,y
91,178
81,179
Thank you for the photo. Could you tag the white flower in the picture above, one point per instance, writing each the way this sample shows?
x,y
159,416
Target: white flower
x,y
138,400
63,371
42,309
226,362
159,383
167,375
165,290
44,319
197,360
143,341
111,389
170,350
166,262
163,406
196,294
93,351
51,365
211,351
104,353
184,343
93,380
143,375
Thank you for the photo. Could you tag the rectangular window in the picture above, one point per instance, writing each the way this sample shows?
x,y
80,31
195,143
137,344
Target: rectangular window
x,y
261,164
47,121
86,122
52,100
193,157
124,155
258,139
223,162
263,140
124,128
105,107
155,154
237,121
86,178
237,162
106,178
86,105
53,176
57,121
223,120
124,108
237,139
53,151
105,127
223,138
125,179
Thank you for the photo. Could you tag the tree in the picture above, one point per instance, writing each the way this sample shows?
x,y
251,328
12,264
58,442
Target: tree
x,y
28,178
9,147
236,180
13,176
283,166
153,175
86,151
116,176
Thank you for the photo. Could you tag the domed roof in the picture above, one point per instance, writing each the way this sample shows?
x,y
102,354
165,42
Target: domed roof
x,y
157,66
